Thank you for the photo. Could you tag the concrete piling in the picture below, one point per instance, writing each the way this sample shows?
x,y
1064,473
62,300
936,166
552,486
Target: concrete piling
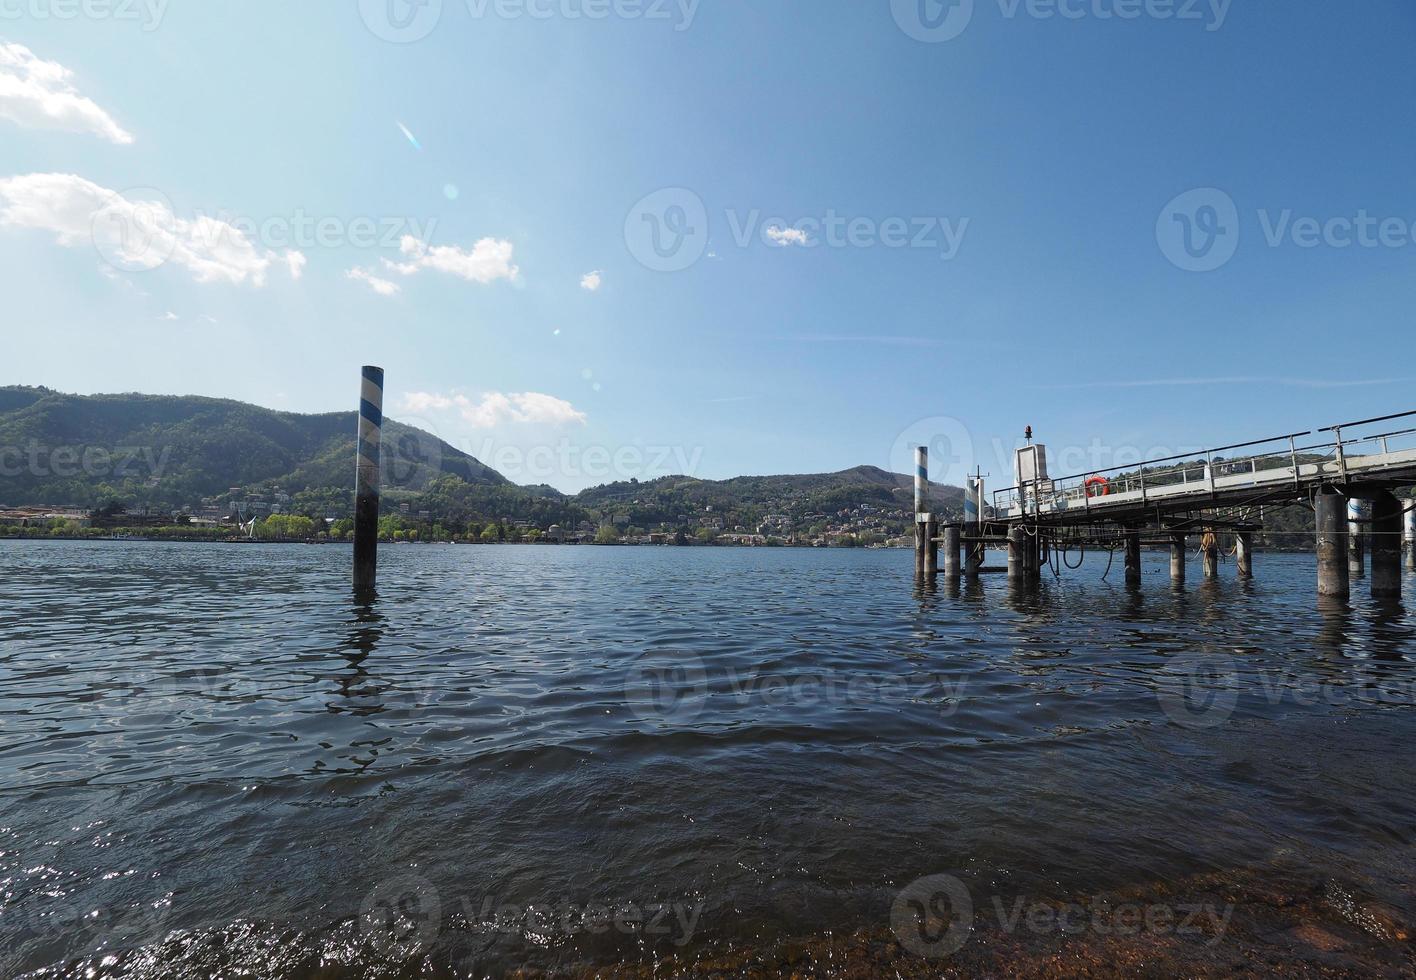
x,y
1177,559
1357,511
1329,514
1017,553
1244,554
1209,554
1386,546
366,479
952,534
1133,556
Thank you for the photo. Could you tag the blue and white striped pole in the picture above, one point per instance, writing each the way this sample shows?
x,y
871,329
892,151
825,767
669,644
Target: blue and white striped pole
x,y
366,479
921,478
1357,513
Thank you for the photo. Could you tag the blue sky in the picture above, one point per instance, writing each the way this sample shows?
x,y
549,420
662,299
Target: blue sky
x,y
1021,181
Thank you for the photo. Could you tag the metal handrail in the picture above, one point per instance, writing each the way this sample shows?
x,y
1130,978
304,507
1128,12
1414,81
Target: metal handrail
x,y
1292,452
1379,418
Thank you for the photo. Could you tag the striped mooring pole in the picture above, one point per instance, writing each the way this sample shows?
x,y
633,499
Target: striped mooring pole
x,y
366,479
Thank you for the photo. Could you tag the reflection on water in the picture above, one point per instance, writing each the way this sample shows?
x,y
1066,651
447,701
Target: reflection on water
x,y
510,747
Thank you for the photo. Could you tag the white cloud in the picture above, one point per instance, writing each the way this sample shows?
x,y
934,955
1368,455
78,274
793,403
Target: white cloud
x,y
295,262
381,286
132,234
41,95
169,316
489,260
591,281
495,408
788,236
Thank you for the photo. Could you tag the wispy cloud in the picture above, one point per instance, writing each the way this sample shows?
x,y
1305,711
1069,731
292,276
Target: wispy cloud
x,y
495,408
133,234
41,95
295,262
591,281
381,286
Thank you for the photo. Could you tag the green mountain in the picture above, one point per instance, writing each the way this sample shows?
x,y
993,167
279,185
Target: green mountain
x,y
57,448
158,451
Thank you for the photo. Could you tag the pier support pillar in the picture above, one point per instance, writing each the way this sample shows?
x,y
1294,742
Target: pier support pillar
x,y
1133,556
1357,512
1330,515
973,558
952,533
931,548
1017,548
1386,546
1209,554
1035,554
1411,535
1177,559
1244,554
366,479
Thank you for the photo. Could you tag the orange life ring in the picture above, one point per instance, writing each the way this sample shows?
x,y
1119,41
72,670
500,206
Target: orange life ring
x,y
1097,486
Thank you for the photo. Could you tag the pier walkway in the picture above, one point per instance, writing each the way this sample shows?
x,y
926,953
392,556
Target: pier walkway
x,y
1346,473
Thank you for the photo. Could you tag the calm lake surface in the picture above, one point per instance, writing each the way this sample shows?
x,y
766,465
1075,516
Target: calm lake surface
x,y
212,759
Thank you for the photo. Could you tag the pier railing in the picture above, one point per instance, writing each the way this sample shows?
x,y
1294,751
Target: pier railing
x,y
1331,454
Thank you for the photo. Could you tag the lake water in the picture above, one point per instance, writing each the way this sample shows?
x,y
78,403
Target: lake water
x,y
212,759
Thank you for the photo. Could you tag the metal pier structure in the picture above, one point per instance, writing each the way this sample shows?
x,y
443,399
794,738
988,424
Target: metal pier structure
x,y
1348,474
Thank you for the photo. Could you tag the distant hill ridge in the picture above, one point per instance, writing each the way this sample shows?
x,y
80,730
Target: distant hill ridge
x,y
171,449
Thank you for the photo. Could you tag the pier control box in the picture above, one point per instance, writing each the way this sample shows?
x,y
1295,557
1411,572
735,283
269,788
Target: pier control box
x,y
1030,464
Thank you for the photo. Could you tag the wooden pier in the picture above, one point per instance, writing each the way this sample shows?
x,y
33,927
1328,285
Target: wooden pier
x,y
1348,474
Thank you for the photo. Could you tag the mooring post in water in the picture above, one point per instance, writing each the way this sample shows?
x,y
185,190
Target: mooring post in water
x,y
366,479
1356,511
1329,515
1017,548
1209,554
923,536
1411,534
952,534
1177,558
973,501
1133,556
1244,554
1386,546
